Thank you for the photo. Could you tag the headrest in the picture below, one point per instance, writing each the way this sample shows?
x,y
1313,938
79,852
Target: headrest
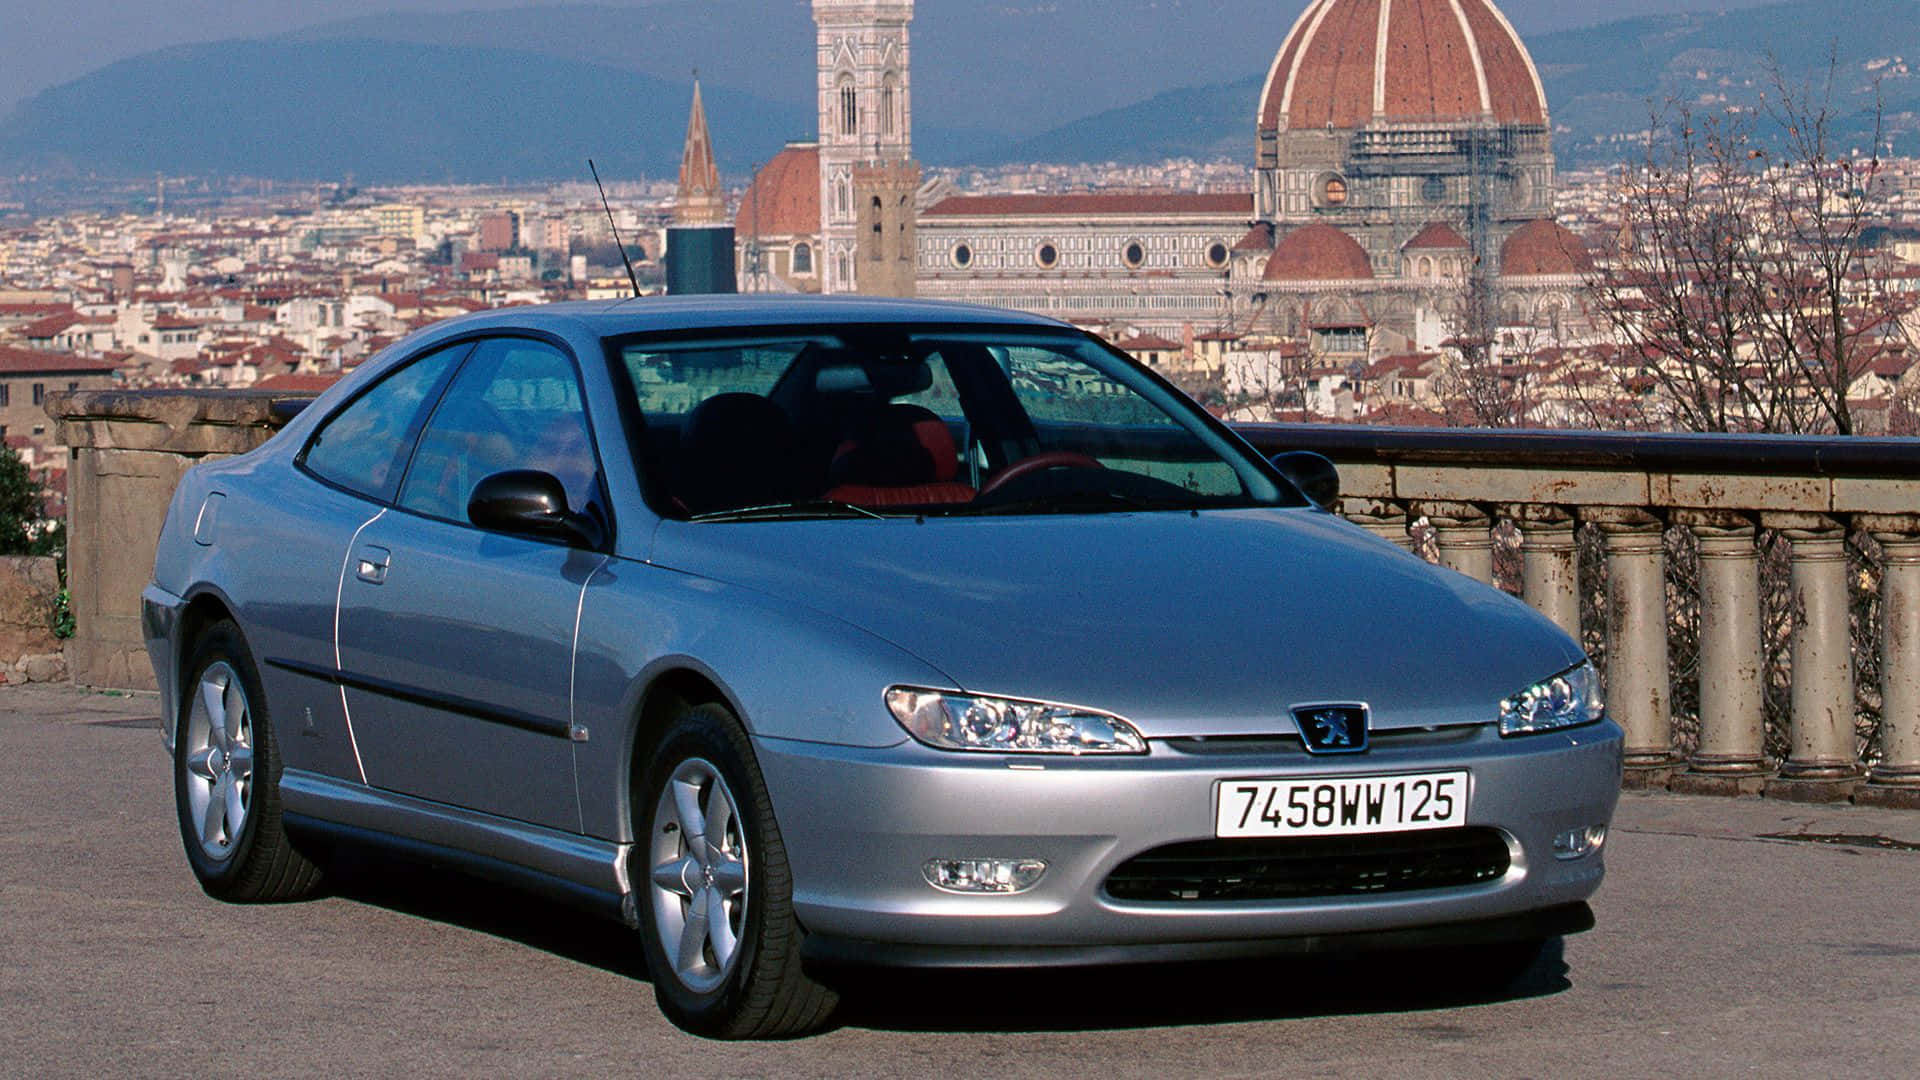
x,y
843,379
900,445
736,450
861,371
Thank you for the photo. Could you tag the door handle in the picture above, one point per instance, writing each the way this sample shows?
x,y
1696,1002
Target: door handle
x,y
371,565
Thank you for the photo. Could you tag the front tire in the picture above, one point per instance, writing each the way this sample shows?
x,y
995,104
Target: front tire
x,y
226,779
716,909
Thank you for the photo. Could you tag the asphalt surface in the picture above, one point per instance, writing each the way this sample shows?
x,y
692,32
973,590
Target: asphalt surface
x,y
1723,949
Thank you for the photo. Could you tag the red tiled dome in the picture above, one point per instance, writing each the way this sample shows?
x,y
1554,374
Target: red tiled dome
x,y
1541,248
1437,236
1348,62
1318,253
784,198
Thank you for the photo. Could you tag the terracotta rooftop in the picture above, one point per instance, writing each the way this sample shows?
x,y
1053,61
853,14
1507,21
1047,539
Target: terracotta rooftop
x,y
1542,248
297,383
1349,62
1147,343
52,326
1258,238
784,198
1318,253
1437,236
40,362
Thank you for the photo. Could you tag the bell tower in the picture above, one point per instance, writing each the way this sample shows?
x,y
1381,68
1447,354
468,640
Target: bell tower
x,y
868,177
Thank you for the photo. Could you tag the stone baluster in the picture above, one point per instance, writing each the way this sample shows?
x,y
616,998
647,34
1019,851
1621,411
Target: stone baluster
x,y
1731,759
1639,694
1822,764
1463,533
1896,779
1386,520
1550,564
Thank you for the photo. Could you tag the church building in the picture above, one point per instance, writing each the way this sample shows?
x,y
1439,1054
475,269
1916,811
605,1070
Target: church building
x,y
1402,160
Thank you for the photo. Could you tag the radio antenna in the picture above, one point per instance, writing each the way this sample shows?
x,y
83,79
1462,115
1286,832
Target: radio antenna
x,y
632,278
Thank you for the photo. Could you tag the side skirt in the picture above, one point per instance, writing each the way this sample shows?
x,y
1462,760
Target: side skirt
x,y
576,870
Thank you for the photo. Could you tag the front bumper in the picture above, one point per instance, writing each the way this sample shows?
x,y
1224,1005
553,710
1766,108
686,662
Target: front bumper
x,y
859,824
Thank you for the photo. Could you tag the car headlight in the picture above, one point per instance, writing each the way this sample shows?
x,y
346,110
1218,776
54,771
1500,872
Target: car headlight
x,y
1569,699
951,721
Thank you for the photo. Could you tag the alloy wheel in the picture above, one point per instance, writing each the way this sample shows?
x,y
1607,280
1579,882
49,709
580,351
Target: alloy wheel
x,y
218,757
699,877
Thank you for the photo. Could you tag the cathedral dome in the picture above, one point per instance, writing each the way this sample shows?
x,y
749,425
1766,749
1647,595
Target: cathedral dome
x,y
1318,253
1544,248
1351,62
784,198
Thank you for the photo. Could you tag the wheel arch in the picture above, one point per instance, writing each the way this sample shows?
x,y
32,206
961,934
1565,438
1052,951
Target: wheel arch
x,y
671,686
206,607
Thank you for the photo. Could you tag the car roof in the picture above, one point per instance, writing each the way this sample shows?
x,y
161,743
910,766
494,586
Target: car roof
x,y
613,318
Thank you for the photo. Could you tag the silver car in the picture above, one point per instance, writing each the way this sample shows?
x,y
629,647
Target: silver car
x,y
803,633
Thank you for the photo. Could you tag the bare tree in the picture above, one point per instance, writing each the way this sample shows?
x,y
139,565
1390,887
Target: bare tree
x,y
1831,306
1740,282
1485,379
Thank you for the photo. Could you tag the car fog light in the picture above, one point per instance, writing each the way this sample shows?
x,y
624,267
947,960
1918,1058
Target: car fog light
x,y
1579,843
1001,876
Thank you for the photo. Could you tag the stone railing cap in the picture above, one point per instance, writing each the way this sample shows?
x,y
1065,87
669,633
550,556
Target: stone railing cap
x,y
1751,455
178,408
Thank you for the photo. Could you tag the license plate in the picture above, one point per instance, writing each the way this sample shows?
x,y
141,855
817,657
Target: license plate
x,y
1348,806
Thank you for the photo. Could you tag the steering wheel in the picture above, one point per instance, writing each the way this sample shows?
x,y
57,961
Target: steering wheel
x,y
1051,459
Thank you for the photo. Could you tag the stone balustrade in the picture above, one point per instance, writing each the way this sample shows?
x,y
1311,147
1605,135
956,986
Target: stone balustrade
x,y
1839,513
1780,536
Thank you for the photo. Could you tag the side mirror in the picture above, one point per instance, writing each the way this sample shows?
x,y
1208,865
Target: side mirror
x,y
529,503
1316,477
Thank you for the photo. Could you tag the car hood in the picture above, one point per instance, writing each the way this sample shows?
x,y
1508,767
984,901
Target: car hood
x,y
1209,624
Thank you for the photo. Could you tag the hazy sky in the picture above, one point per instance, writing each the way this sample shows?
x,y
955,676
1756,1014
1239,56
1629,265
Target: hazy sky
x,y
46,42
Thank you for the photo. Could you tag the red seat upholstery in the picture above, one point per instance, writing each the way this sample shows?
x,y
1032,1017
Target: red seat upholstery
x,y
904,457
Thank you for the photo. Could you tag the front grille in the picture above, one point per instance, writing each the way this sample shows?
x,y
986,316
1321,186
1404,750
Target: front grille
x,y
1280,743
1286,869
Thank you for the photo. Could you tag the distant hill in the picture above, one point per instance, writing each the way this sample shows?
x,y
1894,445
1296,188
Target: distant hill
x,y
527,93
1601,80
996,71
385,111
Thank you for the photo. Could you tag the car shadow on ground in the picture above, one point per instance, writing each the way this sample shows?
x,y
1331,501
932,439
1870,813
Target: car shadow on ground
x,y
1181,995
1083,999
445,895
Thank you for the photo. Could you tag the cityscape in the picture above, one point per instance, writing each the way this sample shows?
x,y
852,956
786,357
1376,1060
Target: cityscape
x,y
1438,271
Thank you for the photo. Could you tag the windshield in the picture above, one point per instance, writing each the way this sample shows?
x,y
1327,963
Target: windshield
x,y
859,423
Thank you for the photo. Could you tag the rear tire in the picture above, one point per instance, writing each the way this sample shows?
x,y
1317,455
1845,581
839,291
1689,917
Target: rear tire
x,y
716,909
226,779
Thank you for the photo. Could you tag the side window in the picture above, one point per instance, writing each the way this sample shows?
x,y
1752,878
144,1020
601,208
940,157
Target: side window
x,y
364,446
515,405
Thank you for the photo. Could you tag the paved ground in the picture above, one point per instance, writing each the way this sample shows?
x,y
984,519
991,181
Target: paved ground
x,y
1721,952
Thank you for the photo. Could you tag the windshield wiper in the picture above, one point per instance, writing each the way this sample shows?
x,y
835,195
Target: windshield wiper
x,y
792,511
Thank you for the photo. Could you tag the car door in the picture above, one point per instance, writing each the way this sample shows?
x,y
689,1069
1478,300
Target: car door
x,y
294,542
456,644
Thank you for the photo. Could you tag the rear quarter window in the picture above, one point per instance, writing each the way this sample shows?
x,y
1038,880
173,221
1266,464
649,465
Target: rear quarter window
x,y
365,445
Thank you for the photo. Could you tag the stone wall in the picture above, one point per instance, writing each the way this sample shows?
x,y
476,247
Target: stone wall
x,y
29,589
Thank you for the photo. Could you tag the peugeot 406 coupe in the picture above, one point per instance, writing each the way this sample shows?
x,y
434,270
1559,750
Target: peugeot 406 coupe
x,y
807,633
